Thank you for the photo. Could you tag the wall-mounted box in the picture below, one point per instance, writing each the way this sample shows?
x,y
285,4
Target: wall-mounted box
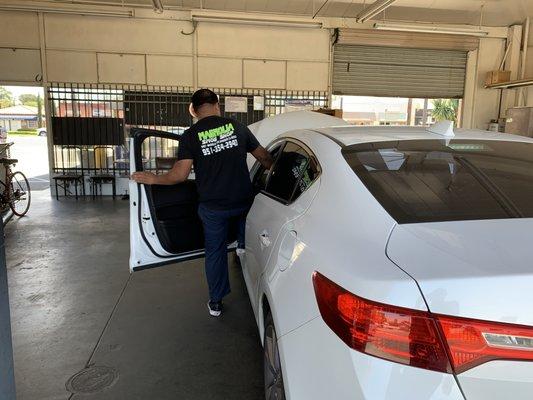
x,y
494,77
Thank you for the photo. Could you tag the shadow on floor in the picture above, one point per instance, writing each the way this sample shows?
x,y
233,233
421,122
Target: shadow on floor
x,y
41,182
74,304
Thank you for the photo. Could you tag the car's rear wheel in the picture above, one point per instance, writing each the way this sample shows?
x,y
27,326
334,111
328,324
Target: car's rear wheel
x,y
274,389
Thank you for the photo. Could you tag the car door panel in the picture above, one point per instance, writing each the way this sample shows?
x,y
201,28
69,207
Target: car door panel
x,y
164,223
175,210
271,217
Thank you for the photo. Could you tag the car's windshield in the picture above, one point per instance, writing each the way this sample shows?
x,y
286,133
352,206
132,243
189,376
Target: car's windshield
x,y
439,180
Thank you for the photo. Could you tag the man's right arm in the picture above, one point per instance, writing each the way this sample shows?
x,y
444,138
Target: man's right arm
x,y
263,156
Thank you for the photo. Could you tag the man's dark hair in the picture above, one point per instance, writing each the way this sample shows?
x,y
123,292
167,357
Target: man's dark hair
x,y
203,96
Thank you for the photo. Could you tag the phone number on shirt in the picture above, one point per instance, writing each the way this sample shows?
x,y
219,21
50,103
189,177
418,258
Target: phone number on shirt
x,y
218,147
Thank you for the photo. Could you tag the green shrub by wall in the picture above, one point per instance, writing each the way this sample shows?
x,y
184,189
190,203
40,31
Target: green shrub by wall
x,y
22,132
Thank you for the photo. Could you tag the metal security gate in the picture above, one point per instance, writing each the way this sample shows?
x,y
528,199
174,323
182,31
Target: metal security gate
x,y
398,72
91,122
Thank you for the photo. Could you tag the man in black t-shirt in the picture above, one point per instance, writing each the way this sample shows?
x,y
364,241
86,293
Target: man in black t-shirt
x,y
217,147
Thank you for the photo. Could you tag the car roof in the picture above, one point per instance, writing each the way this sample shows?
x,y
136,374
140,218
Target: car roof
x,y
351,135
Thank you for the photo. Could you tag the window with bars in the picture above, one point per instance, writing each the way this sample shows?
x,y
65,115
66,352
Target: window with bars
x,y
90,122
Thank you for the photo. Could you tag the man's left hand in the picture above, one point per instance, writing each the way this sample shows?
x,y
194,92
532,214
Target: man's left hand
x,y
146,178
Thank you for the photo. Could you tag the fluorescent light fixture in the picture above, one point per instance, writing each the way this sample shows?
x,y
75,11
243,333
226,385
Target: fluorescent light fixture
x,y
373,9
78,11
158,6
429,28
511,84
265,22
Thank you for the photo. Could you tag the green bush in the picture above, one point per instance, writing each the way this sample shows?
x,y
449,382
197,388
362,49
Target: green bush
x,y
27,130
22,132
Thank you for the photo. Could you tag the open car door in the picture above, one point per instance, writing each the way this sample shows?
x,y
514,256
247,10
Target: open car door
x,y
164,223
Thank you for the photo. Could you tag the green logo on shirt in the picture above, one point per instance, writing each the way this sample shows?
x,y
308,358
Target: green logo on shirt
x,y
216,132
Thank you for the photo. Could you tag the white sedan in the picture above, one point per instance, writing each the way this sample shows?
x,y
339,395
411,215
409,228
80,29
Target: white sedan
x,y
381,262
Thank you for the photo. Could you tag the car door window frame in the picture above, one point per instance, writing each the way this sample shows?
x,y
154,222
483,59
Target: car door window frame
x,y
310,155
258,167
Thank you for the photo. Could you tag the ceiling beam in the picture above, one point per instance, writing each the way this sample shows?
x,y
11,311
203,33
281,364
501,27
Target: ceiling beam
x,y
320,8
373,9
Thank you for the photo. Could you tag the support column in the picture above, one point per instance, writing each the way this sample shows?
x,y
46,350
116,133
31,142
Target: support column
x,y
46,99
512,63
7,375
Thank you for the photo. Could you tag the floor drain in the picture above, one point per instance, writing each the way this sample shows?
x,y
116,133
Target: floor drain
x,y
92,379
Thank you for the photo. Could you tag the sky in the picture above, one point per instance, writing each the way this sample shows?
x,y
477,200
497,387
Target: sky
x,y
18,90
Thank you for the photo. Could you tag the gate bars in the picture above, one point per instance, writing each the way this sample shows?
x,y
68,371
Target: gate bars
x,y
88,144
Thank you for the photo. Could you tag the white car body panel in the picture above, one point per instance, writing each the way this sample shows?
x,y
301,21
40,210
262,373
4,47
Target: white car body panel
x,y
270,128
362,265
366,134
318,365
473,269
274,219
498,380
463,267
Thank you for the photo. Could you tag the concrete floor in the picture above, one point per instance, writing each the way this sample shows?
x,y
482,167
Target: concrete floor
x,y
32,153
74,304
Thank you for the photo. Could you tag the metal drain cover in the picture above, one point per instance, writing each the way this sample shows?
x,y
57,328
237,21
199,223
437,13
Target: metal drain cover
x,y
92,379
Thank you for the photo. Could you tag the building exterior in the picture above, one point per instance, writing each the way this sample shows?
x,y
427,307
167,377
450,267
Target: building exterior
x,y
375,118
19,117
419,117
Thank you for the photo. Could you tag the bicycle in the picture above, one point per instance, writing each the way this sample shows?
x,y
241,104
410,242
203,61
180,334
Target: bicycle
x,y
15,192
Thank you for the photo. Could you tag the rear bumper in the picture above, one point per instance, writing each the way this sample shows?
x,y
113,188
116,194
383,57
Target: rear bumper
x,y
497,380
318,365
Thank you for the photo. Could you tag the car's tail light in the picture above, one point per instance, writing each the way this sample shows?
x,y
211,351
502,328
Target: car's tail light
x,y
473,342
397,334
417,338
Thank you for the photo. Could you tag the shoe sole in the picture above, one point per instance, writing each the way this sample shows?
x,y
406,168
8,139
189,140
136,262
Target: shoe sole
x,y
213,313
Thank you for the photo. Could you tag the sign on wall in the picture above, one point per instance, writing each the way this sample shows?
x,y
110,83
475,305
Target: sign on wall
x,y
236,104
259,103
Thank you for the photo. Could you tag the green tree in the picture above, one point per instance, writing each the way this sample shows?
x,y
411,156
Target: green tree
x,y
6,98
28,99
445,109
39,111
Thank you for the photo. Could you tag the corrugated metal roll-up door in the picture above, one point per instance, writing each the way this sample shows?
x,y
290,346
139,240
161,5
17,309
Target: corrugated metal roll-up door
x,y
398,72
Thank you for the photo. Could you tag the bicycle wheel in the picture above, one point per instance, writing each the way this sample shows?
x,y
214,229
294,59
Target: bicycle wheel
x,y
20,194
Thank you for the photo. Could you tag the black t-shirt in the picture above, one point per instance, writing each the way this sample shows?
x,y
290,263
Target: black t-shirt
x,y
218,147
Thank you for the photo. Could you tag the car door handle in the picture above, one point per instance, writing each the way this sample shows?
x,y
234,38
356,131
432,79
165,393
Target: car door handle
x,y
264,238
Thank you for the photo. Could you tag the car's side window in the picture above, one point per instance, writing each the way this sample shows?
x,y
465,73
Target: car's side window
x,y
308,173
292,174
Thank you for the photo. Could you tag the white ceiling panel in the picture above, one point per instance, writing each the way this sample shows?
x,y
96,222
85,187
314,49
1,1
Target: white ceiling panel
x,y
495,12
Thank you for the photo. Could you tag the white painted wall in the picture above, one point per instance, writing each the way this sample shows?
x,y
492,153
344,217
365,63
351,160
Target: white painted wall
x,y
480,104
155,52
90,49
20,59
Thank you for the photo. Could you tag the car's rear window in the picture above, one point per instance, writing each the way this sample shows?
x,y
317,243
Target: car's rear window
x,y
439,180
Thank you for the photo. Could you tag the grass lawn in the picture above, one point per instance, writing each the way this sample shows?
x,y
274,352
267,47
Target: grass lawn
x,y
22,133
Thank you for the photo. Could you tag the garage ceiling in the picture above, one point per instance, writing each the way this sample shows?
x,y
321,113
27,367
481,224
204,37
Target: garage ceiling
x,y
495,12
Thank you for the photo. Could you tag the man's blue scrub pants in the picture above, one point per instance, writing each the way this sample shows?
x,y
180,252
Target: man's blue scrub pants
x,y
216,226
